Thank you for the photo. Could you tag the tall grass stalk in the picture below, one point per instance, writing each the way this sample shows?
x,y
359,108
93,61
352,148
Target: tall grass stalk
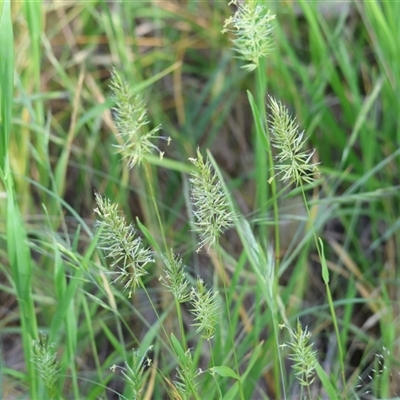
x,y
138,141
325,276
253,26
212,217
294,165
263,266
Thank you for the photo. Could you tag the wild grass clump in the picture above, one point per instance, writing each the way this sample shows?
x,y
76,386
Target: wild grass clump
x,y
175,277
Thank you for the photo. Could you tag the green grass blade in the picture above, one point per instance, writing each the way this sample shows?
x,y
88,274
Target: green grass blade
x,y
21,270
330,390
6,79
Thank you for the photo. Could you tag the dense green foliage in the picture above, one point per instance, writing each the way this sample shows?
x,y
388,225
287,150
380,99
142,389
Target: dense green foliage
x,y
180,159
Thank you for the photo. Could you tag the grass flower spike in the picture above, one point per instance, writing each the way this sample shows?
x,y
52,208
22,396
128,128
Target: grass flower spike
x,y
46,363
205,309
253,27
174,279
303,355
131,120
211,207
187,375
293,163
118,239
135,375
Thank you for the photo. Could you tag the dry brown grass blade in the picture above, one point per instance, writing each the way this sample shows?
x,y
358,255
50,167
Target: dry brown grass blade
x,y
173,391
366,290
150,385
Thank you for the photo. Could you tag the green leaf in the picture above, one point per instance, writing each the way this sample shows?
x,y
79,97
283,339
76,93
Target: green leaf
x,y
178,349
325,272
225,372
330,390
147,234
257,120
168,163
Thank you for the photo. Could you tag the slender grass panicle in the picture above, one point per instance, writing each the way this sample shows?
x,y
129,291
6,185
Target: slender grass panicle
x,y
293,163
120,242
187,383
131,121
252,25
174,279
134,375
45,361
205,309
303,355
211,206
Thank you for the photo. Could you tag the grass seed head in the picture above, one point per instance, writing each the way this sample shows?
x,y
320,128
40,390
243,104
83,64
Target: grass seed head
x,y
205,309
252,26
293,163
120,242
132,123
210,203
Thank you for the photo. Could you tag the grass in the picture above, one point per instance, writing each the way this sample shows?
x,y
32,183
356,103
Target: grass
x,y
324,252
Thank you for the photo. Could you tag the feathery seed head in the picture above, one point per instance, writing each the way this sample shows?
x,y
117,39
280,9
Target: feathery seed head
x,y
205,309
187,378
211,206
174,278
252,24
45,361
134,375
120,242
304,356
293,163
131,121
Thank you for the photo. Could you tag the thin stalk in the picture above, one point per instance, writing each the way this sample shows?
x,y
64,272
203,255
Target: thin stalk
x,y
167,249
153,199
325,275
213,364
194,392
228,313
261,173
155,310
309,391
276,336
180,322
261,90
